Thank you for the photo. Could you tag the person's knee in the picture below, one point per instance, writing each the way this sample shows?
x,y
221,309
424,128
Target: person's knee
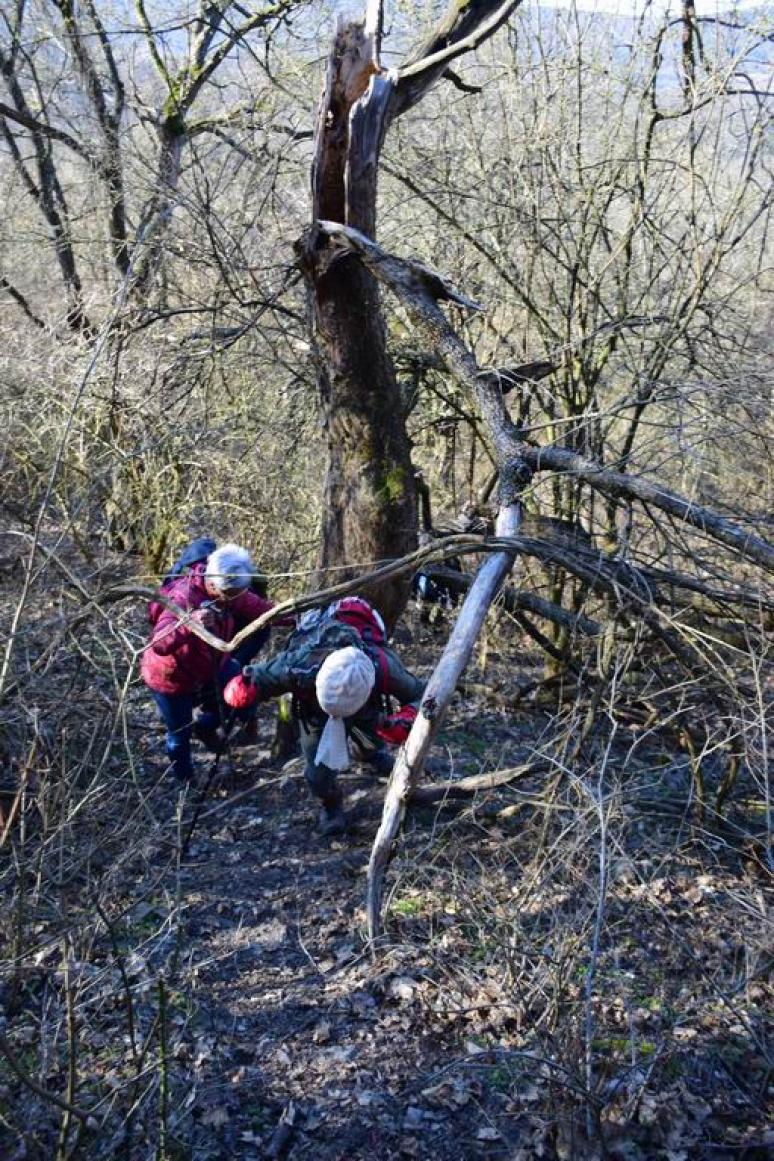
x,y
177,715
207,720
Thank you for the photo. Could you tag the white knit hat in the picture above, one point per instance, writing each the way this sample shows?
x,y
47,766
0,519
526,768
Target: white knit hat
x,y
229,569
344,683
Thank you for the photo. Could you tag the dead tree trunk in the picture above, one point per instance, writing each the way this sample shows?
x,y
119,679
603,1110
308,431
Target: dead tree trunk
x,y
370,504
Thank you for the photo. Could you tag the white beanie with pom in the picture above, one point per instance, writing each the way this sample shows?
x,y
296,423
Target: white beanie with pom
x,y
344,683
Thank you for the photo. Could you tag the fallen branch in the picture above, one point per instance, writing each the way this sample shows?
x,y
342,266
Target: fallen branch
x,y
516,601
466,787
296,604
621,484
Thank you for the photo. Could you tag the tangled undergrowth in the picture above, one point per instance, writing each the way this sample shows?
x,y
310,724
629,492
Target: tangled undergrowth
x,y
576,962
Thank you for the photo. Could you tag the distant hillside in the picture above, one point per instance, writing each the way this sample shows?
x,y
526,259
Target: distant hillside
x,y
728,35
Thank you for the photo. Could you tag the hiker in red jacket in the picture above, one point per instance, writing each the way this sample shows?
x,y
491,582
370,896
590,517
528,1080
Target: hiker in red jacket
x,y
181,670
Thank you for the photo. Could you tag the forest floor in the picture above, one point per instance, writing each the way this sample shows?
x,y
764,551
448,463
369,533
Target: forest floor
x,y
530,1000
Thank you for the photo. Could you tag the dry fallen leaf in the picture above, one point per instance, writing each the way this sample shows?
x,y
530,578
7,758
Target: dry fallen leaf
x,y
322,1032
216,1116
402,987
413,1119
487,1133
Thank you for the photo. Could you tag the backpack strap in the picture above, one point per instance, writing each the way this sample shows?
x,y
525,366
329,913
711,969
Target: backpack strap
x,y
379,657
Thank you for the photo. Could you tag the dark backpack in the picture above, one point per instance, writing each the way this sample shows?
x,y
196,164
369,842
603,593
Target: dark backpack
x,y
319,633
194,553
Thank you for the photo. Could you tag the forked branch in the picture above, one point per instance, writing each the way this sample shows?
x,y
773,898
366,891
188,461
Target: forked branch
x,y
420,288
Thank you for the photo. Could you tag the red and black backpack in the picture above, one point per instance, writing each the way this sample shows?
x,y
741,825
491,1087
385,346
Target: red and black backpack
x,y
350,621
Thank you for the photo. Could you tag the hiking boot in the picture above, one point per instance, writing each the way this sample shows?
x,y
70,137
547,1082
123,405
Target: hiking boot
x,y
209,736
247,734
331,819
182,769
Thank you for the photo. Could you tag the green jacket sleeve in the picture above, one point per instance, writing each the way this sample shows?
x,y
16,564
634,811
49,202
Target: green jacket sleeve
x,y
402,684
293,672
272,677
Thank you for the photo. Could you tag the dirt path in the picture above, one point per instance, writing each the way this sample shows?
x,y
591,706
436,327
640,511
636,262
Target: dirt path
x,y
523,1007
466,1038
291,1014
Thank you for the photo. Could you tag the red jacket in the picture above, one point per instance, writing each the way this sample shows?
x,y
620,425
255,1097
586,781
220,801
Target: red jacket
x,y
175,660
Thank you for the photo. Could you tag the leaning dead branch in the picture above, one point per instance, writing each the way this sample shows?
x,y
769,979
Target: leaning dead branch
x,y
420,290
416,287
437,696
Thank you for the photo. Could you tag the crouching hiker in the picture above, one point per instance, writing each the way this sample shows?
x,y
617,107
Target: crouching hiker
x,y
181,670
342,676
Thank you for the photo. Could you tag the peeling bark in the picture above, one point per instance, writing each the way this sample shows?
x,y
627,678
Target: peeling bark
x,y
370,501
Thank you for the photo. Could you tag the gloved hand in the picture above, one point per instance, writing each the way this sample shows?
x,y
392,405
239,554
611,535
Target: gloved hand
x,y
395,728
207,616
240,692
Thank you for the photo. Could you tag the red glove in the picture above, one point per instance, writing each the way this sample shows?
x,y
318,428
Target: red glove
x,y
396,727
239,693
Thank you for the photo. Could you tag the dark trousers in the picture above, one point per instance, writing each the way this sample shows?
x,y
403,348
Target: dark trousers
x,y
177,709
320,779
177,713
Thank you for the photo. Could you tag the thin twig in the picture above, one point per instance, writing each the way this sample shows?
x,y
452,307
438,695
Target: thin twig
x,y
13,1063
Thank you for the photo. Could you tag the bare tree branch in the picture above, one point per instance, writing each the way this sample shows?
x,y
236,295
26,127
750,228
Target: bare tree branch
x,y
419,288
21,301
22,117
467,24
